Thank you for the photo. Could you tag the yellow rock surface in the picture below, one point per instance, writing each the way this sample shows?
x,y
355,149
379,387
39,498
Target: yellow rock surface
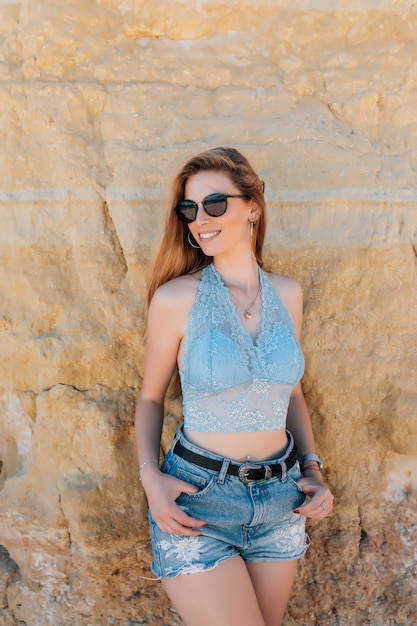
x,y
100,103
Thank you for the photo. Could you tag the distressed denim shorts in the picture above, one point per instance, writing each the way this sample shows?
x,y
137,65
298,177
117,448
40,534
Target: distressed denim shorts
x,y
254,520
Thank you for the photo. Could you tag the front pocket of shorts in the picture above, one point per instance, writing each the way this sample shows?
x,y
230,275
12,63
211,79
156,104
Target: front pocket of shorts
x,y
295,484
294,475
203,484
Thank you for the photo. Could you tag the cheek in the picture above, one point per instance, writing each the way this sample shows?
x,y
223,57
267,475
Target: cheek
x,y
191,228
192,235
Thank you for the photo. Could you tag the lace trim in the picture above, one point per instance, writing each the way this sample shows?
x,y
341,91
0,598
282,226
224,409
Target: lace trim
x,y
259,405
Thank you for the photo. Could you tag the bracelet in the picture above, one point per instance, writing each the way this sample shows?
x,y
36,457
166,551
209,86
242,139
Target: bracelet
x,y
311,457
312,467
142,465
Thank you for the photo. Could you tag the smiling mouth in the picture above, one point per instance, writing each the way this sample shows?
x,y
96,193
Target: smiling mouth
x,y
207,236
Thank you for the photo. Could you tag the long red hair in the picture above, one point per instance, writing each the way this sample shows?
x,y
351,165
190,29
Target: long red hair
x,y
175,256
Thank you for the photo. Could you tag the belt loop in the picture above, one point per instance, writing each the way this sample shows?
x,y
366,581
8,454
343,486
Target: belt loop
x,y
291,443
179,433
223,471
284,471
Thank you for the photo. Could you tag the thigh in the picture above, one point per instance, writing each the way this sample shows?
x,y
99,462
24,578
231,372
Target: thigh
x,y
272,582
223,595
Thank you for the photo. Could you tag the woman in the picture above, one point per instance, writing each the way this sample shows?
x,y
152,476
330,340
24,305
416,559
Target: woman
x,y
227,508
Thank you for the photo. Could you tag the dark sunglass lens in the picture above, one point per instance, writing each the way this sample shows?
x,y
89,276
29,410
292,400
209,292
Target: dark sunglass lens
x,y
215,206
186,211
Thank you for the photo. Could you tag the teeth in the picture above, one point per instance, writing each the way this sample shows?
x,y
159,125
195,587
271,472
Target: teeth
x,y
208,235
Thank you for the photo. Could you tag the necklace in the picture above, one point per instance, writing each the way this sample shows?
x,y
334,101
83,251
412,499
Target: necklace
x,y
247,311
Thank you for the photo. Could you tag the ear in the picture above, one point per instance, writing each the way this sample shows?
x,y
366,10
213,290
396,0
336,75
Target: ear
x,y
254,212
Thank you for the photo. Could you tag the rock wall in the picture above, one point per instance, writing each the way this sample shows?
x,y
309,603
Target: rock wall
x,y
100,104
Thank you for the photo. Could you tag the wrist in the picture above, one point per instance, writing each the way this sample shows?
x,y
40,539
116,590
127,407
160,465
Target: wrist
x,y
311,461
315,468
146,466
310,472
149,479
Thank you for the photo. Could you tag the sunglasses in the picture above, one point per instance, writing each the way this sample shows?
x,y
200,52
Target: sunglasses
x,y
214,205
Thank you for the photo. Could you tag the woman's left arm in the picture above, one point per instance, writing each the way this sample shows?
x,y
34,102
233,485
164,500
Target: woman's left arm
x,y
299,425
298,420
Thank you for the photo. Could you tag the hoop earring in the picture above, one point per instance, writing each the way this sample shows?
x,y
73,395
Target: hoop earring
x,y
191,243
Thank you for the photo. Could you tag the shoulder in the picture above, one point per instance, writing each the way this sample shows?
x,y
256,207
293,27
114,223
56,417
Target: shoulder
x,y
173,300
177,289
291,294
286,287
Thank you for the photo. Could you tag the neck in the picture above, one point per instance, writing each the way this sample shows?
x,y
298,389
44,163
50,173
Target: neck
x,y
240,274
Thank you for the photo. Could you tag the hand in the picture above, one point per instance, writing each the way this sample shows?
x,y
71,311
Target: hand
x,y
321,498
162,490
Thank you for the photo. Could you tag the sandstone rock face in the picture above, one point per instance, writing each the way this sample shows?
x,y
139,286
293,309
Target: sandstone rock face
x,y
101,102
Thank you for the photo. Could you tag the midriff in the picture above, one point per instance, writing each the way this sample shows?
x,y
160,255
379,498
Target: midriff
x,y
245,446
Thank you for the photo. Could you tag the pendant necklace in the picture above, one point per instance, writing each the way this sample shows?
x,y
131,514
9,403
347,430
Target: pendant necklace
x,y
247,312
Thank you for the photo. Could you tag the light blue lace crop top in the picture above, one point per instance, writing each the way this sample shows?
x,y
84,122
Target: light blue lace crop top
x,y
231,383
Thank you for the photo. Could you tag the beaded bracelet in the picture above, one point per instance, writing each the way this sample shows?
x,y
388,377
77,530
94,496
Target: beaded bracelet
x,y
142,465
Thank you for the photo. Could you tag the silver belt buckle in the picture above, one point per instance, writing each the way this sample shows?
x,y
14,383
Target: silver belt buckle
x,y
244,470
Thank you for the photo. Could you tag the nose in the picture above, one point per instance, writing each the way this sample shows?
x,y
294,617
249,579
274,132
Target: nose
x,y
201,214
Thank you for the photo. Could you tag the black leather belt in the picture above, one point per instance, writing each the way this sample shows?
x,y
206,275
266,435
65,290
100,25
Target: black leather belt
x,y
247,472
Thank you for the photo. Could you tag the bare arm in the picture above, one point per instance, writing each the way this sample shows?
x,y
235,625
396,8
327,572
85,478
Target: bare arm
x,y
161,352
165,324
299,421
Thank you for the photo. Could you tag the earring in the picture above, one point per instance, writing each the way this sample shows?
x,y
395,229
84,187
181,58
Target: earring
x,y
251,230
191,243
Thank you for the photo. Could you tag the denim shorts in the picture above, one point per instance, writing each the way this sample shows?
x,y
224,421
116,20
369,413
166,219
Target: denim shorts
x,y
253,520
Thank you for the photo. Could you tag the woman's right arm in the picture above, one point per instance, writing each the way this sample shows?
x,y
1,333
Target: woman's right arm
x,y
164,333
